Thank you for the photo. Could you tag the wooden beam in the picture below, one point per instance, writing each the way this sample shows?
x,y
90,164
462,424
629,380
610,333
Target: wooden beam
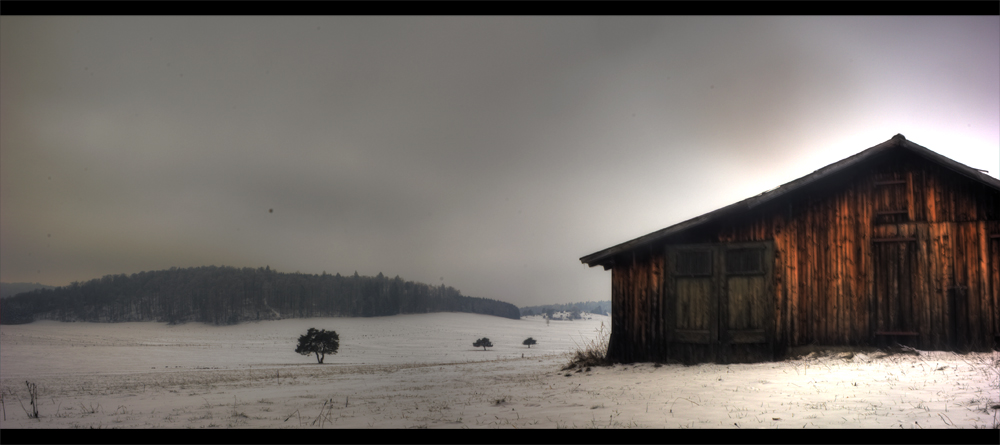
x,y
893,240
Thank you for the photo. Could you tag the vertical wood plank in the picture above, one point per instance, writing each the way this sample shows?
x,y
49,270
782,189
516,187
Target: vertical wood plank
x,y
960,276
646,305
837,266
810,291
864,243
971,259
805,270
820,286
843,305
640,303
911,213
836,243
632,310
829,257
661,303
778,279
993,265
947,272
616,311
869,258
787,265
939,317
925,340
854,269
932,189
670,302
982,272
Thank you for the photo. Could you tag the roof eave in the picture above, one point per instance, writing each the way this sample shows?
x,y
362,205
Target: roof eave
x,y
953,165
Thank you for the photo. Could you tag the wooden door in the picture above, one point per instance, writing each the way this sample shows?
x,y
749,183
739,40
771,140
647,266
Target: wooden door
x,y
894,310
721,295
694,294
748,302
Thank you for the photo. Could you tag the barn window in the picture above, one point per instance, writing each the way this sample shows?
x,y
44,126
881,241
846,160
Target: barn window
x,y
891,197
694,263
745,261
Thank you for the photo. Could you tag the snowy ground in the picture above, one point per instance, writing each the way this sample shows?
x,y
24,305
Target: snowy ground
x,y
421,371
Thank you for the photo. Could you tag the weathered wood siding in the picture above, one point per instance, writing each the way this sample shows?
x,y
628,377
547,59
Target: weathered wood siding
x,y
637,302
902,247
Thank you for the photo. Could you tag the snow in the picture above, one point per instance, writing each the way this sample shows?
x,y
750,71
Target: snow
x,y
421,371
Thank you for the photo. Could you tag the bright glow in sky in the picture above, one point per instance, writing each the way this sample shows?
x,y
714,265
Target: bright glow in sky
x,y
487,153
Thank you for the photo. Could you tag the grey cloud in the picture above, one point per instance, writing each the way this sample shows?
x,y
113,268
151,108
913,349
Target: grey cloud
x,y
491,151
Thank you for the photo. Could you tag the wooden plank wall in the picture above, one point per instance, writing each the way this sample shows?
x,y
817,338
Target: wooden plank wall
x,y
638,329
824,278
992,229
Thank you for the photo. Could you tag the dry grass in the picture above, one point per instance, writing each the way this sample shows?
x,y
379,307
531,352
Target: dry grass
x,y
591,353
989,366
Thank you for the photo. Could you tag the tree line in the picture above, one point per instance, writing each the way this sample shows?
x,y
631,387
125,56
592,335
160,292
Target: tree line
x,y
228,295
11,289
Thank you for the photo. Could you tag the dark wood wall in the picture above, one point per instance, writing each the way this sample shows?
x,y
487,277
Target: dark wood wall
x,y
638,315
851,254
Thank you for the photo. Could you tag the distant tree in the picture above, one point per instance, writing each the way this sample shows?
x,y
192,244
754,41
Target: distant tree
x,y
529,341
319,342
484,342
549,312
575,315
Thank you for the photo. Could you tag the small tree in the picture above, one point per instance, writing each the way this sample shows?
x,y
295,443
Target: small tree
x,y
484,342
318,342
529,341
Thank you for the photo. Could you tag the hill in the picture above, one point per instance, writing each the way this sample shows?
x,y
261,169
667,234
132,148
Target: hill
x,y
227,295
11,289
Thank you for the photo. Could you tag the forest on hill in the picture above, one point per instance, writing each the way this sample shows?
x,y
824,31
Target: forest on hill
x,y
228,295
11,289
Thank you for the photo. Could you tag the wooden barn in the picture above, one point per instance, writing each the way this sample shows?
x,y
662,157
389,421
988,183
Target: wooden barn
x,y
894,245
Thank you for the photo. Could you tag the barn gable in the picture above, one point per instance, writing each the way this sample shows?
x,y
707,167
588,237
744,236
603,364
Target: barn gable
x,y
894,244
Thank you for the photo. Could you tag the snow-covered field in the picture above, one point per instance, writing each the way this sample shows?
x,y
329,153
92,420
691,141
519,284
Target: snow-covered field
x,y
421,371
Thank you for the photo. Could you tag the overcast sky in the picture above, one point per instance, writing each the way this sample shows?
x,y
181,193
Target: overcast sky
x,y
485,153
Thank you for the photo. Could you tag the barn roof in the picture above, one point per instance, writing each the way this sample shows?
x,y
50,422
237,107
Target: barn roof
x,y
604,257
